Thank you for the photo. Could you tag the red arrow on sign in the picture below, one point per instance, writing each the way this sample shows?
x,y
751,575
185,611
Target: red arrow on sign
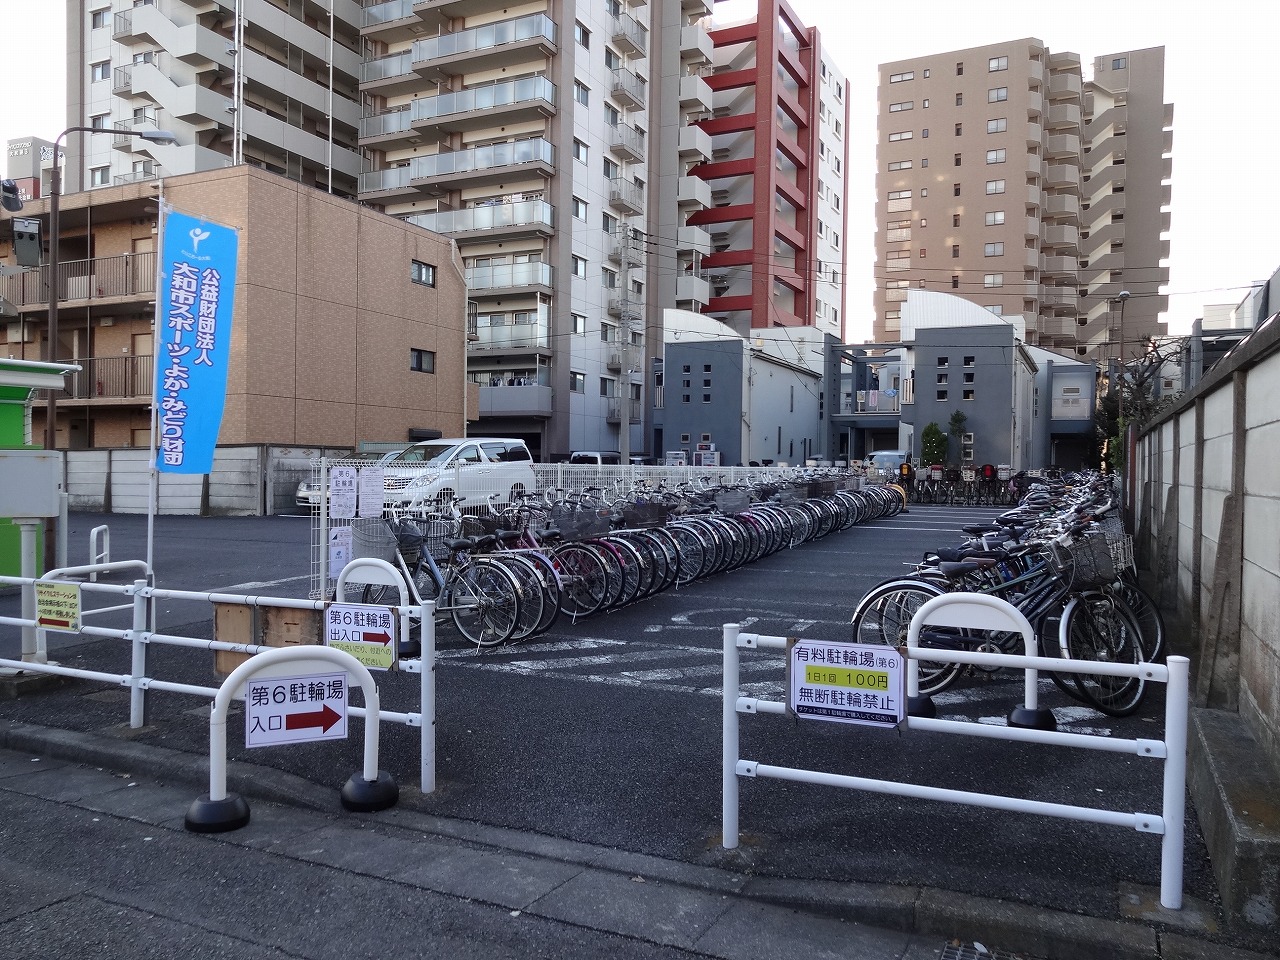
x,y
324,718
382,638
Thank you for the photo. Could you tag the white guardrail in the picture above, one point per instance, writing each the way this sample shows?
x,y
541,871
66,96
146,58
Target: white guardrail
x,y
1169,824
140,597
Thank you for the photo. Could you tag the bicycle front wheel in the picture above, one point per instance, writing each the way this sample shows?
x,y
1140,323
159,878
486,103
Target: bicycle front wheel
x,y
1100,628
884,616
483,599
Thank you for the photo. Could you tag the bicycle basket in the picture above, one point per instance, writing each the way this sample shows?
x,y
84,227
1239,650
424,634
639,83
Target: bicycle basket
x,y
733,501
437,534
373,539
582,524
645,514
968,474
821,488
1092,559
1121,547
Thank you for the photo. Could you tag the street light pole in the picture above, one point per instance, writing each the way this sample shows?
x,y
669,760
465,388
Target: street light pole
x,y
1116,365
55,193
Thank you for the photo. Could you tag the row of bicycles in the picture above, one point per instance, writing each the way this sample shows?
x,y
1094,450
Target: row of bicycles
x,y
506,573
1061,558
977,486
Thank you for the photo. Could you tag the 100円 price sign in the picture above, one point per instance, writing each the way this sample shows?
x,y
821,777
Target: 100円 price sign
x,y
846,682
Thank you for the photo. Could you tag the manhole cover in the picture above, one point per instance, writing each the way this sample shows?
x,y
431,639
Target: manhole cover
x,y
972,951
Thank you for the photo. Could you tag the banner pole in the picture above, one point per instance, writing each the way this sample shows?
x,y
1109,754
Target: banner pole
x,y
153,492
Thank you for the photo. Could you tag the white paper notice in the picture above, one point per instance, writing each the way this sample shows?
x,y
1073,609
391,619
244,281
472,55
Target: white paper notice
x,y
342,493
371,491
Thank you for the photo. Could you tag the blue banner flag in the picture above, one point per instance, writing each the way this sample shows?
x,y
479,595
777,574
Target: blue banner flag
x,y
196,297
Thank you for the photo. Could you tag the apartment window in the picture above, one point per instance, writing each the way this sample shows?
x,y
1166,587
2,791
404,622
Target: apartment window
x,y
606,387
99,176
960,69
997,94
957,159
1120,63
968,362
582,35
944,361
99,121
98,19
900,77
609,278
955,251
609,223
993,280
942,377
997,125
901,106
579,266
577,382
581,92
422,361
959,129
995,308
925,104
423,273
897,259
899,194
968,377
996,64
611,170
900,165
995,218
926,73
924,222
611,115
923,163
959,99
942,395
706,398
580,151
1117,217
967,395
100,70
922,253
608,333
955,189
924,191
579,208
955,281
994,187
955,219
579,323
995,156
900,135
924,134
993,249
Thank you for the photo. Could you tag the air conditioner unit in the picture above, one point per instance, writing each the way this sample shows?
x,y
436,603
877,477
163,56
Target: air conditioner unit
x,y
107,322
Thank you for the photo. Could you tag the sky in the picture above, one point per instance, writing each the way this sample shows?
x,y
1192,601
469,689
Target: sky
x,y
1219,75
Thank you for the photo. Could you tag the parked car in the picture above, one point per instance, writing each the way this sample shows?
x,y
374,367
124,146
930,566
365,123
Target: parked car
x,y
887,462
468,467
308,493
596,458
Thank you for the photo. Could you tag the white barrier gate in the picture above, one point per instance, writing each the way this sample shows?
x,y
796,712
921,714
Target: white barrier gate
x,y
1173,749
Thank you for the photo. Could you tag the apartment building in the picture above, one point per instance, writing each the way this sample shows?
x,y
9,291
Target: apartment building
x,y
1005,178
576,153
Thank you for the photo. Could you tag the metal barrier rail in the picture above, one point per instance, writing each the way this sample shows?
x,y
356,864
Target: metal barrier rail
x,y
138,636
1173,749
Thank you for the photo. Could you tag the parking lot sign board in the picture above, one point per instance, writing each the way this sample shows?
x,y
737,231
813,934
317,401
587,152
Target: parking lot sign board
x,y
366,632
279,710
57,605
846,682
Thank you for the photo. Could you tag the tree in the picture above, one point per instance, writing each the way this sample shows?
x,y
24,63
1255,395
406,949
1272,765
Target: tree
x,y
933,445
1134,396
956,435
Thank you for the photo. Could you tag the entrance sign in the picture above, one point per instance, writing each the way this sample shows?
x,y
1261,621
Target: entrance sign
x,y
295,709
846,682
196,301
367,633
57,605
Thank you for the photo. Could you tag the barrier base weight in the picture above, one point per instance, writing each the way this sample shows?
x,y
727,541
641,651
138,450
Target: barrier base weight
x,y
217,816
363,796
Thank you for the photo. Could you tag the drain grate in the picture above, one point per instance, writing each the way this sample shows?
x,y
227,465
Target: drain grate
x,y
968,951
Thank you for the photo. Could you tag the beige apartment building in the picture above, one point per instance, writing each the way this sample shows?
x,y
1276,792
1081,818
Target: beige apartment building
x,y
349,325
1007,178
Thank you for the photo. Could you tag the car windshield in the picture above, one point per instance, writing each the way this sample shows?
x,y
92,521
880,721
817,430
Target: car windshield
x,y
427,453
883,462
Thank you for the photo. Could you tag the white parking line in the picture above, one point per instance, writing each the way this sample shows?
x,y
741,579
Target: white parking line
x,y
259,584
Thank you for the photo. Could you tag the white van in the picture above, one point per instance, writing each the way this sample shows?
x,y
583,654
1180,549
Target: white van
x,y
596,458
465,467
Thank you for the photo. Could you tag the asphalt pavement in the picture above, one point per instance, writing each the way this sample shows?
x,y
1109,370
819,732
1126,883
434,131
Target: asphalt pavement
x,y
578,802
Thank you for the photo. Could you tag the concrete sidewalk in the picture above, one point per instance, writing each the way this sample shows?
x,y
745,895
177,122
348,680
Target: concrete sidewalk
x,y
448,887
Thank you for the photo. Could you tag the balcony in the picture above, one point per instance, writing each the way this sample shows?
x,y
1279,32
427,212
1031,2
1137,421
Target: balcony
x,y
614,412
630,36
871,402
628,309
1064,86
696,48
693,239
437,173
628,89
695,95
1062,235
379,16
1062,176
626,195
694,145
526,218
492,46
693,290
1064,116
1063,146
1031,229
1035,134
506,278
112,378
1034,166
128,143
614,244
1062,206
507,337
141,173
114,279
530,400
1058,266
511,101
384,127
1035,73
389,75
626,141
692,194
1059,299
696,8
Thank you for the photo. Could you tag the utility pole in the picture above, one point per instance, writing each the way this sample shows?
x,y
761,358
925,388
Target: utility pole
x,y
624,351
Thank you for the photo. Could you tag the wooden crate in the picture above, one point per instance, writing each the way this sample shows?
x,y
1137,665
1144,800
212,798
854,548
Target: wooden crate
x,y
268,625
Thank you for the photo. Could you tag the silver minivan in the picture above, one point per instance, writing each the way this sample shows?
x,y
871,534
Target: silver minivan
x,y
475,467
